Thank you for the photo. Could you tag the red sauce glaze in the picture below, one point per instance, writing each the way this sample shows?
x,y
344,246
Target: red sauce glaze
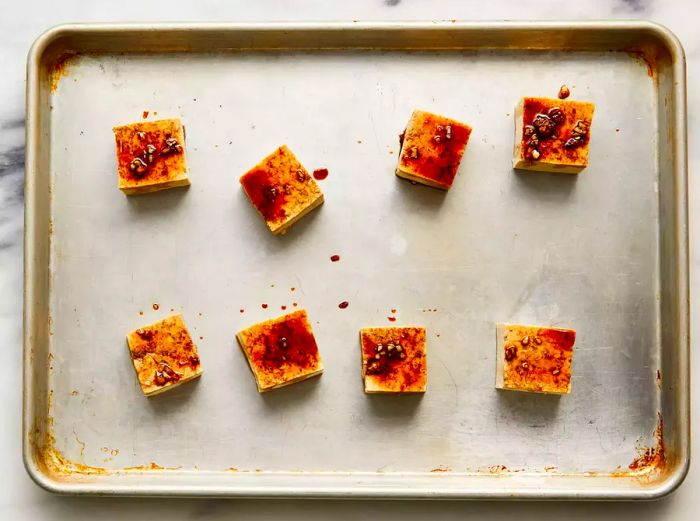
x,y
564,340
383,365
320,174
146,334
266,196
343,304
130,149
287,343
335,258
164,374
540,359
441,165
554,144
542,375
391,366
532,107
181,352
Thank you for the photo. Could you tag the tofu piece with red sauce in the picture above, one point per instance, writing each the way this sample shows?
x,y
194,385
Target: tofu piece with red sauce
x,y
534,358
164,355
552,135
281,190
151,156
281,351
394,359
431,149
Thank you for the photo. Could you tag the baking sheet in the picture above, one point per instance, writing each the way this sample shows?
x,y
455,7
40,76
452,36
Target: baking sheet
x,y
585,251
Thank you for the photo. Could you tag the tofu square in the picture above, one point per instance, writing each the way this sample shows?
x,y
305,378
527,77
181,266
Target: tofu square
x,y
281,190
164,355
151,156
552,135
431,149
281,351
534,358
394,359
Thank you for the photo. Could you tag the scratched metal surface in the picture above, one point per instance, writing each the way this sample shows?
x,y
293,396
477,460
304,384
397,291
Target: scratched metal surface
x,y
564,250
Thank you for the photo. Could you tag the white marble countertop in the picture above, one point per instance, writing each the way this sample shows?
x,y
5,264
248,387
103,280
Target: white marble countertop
x,y
22,22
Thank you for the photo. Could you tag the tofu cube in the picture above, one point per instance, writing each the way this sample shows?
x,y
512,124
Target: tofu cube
x,y
164,355
281,189
394,359
534,358
281,351
431,149
552,135
151,156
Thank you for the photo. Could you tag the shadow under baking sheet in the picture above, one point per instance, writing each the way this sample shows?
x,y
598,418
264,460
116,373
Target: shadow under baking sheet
x,y
415,197
290,397
532,409
275,244
394,408
171,401
155,203
545,186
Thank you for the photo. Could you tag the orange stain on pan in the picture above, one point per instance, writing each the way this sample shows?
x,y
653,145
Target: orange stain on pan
x,y
59,70
651,459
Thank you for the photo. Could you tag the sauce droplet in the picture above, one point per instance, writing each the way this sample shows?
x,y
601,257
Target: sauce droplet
x,y
283,307
320,174
343,304
564,92
156,307
145,114
392,319
295,304
393,311
335,258
264,306
242,310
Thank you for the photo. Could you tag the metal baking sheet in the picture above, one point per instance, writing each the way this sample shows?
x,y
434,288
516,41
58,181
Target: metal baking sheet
x,y
604,252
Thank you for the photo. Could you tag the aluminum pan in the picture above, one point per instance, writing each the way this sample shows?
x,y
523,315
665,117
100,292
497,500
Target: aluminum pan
x,y
321,469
